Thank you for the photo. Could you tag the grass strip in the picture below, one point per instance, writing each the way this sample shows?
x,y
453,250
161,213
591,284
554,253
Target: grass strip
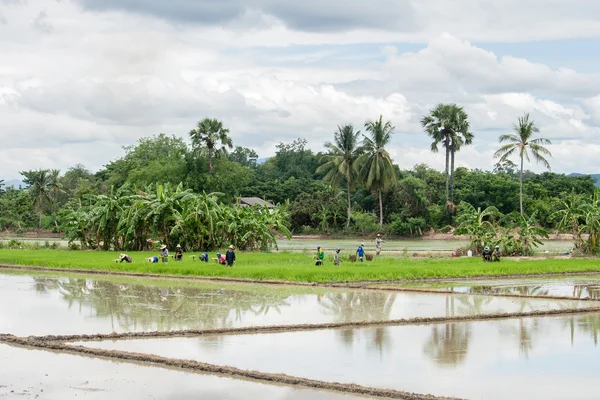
x,y
299,267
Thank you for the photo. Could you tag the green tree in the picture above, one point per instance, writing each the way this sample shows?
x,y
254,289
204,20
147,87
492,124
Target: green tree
x,y
521,141
38,185
375,166
159,158
339,164
210,136
245,156
448,124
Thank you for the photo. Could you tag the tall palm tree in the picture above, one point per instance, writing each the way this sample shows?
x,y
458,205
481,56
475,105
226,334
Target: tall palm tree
x,y
38,183
448,124
339,164
375,165
211,136
519,142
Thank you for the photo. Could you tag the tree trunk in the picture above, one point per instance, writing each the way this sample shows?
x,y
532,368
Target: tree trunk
x,y
447,140
380,208
452,175
521,185
349,206
210,154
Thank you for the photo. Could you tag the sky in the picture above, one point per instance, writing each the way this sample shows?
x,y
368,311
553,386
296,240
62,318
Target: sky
x,y
79,79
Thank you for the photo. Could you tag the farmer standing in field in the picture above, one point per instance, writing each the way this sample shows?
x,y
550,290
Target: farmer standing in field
x,y
378,242
360,252
336,257
164,254
230,256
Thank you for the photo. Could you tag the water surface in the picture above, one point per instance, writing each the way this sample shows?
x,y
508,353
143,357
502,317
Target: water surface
x,y
40,304
545,358
38,374
578,287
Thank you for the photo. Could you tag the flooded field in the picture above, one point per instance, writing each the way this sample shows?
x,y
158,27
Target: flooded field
x,y
73,304
33,374
577,287
540,357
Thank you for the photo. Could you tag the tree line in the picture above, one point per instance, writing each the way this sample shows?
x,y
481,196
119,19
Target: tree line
x,y
351,186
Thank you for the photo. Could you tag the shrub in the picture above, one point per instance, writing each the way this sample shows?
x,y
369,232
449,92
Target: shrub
x,y
364,222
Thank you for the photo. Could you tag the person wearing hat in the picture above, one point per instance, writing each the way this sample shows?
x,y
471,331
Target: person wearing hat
x,y
179,253
378,242
230,256
336,257
164,254
320,257
360,252
496,254
124,257
487,254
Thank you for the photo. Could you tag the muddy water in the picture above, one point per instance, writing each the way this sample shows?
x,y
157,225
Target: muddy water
x,y
30,374
578,287
549,358
74,304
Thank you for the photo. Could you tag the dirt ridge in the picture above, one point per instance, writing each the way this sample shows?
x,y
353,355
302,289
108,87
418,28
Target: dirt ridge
x,y
197,366
305,327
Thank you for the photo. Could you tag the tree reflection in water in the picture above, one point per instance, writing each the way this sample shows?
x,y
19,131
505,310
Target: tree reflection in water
x,y
348,306
134,307
449,343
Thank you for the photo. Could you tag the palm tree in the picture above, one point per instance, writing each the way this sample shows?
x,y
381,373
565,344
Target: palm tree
x,y
519,142
448,124
211,136
375,164
339,164
38,183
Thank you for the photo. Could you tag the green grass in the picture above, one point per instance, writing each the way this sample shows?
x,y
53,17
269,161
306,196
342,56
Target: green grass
x,y
296,267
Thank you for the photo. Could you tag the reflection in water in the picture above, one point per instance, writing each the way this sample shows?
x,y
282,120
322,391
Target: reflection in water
x,y
134,307
448,343
360,306
537,356
571,289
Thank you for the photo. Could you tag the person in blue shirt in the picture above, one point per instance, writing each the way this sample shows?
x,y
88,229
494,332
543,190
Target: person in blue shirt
x,y
360,252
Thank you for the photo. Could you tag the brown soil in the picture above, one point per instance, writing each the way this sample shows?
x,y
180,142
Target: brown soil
x,y
35,234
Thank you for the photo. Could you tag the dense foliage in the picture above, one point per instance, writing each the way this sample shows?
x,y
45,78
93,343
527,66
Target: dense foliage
x,y
158,190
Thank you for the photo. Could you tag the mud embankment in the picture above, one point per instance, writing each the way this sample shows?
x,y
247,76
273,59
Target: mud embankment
x,y
306,327
196,366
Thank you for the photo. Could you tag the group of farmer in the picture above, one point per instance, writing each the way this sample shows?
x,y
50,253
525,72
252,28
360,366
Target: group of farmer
x,y
226,259
359,255
489,255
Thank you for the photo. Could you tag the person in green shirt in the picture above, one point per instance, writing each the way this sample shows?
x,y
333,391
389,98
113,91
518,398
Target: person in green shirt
x,y
320,256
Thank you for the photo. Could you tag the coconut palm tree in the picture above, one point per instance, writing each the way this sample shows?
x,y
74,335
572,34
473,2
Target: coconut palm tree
x,y
375,164
448,124
38,183
519,142
339,164
210,136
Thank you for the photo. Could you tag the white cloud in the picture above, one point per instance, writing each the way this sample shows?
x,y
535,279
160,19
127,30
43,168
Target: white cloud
x,y
77,85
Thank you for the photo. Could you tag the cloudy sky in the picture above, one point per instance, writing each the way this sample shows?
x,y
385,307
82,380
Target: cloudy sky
x,y
81,78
